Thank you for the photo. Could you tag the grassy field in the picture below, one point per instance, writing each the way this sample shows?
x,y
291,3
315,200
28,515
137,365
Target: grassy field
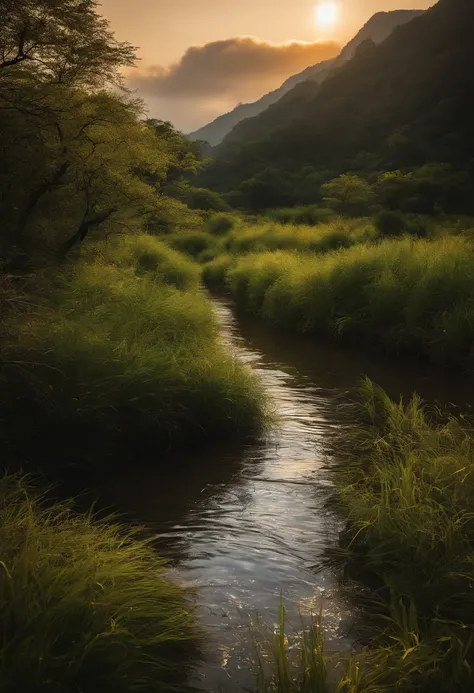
x,y
85,604
122,349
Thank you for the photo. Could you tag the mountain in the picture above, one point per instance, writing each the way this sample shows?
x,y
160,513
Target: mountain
x,y
377,28
402,103
215,132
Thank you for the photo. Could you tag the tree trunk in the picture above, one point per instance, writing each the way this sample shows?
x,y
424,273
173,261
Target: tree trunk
x,y
83,230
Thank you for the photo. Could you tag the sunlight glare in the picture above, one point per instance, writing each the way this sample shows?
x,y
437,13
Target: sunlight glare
x,y
326,14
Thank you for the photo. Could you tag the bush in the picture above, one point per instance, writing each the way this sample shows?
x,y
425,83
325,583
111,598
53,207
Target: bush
x,y
202,198
85,605
310,215
192,242
214,272
220,224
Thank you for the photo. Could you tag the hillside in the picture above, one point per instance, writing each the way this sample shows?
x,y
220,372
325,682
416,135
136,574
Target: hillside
x,y
215,132
402,103
377,28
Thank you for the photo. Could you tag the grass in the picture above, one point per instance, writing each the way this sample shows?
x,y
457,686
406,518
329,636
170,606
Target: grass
x,y
114,357
289,665
408,497
146,254
406,489
406,295
84,604
320,239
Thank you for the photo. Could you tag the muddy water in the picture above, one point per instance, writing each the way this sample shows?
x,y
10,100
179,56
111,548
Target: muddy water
x,y
245,525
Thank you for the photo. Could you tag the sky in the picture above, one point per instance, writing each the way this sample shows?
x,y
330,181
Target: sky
x,y
200,58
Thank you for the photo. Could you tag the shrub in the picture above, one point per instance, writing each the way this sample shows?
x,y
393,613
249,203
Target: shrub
x,y
85,605
214,272
220,224
192,242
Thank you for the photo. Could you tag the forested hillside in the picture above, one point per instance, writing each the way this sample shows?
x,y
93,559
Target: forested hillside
x,y
398,105
377,29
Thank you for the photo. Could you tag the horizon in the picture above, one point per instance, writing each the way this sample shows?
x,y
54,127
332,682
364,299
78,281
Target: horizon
x,y
199,62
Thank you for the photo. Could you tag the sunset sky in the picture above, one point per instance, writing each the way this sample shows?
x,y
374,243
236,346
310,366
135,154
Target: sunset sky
x,y
240,49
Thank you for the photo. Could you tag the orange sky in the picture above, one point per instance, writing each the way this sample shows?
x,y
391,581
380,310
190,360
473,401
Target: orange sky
x,y
165,29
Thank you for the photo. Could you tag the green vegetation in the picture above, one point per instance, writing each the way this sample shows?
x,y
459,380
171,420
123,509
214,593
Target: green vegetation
x,y
408,496
85,604
114,349
393,107
405,295
406,489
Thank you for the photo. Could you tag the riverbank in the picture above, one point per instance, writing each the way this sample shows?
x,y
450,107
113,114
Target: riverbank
x,y
86,604
119,351
408,296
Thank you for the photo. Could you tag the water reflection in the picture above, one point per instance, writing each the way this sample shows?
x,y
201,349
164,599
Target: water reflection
x,y
246,524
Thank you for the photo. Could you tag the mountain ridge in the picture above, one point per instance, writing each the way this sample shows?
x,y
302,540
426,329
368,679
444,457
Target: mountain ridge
x,y
378,27
399,104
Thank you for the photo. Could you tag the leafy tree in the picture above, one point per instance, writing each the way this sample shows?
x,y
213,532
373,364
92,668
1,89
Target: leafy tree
x,y
349,195
61,41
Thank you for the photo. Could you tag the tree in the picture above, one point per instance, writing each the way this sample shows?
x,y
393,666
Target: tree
x,y
61,41
349,195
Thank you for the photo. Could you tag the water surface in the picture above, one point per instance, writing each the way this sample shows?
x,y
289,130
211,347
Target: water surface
x,y
246,524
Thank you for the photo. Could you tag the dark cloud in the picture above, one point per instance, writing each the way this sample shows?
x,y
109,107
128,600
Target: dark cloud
x,y
241,67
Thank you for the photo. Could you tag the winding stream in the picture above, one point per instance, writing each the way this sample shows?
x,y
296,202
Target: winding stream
x,y
246,524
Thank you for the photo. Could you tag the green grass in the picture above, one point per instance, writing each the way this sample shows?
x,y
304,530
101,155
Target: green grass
x,y
408,497
148,255
111,356
267,236
292,664
84,604
405,487
406,295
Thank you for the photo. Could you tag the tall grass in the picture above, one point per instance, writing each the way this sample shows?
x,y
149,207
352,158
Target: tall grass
x,y
267,236
406,490
287,664
147,255
84,604
408,496
112,355
406,295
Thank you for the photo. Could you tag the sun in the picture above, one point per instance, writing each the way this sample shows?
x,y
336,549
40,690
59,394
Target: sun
x,y
326,14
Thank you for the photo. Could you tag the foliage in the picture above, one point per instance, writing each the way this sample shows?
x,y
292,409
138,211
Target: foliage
x,y
63,41
405,295
220,224
393,107
110,356
309,215
349,195
407,496
86,604
194,243
267,236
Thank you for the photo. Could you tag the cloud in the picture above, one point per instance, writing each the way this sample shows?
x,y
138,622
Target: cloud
x,y
215,77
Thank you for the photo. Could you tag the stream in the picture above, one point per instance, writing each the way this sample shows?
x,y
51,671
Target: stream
x,y
246,525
